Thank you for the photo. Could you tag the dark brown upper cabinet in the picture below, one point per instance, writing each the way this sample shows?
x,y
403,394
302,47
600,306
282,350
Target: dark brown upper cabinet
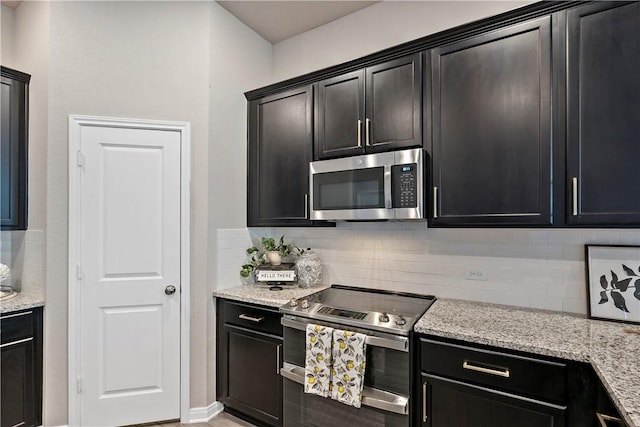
x,y
374,109
14,112
279,151
491,109
603,120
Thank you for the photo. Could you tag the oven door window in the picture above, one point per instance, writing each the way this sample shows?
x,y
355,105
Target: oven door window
x,y
350,189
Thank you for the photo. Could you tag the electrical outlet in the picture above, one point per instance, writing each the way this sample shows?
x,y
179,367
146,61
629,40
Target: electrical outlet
x,y
475,274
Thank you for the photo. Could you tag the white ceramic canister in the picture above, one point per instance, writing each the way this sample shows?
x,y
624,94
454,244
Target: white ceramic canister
x,y
309,269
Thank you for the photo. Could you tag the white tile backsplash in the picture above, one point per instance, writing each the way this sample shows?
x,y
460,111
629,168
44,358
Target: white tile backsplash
x,y
23,252
537,268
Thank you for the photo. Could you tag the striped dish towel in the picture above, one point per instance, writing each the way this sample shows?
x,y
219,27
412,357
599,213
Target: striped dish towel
x,y
317,367
349,362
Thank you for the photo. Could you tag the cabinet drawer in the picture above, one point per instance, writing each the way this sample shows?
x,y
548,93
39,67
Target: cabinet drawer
x,y
252,317
16,326
522,375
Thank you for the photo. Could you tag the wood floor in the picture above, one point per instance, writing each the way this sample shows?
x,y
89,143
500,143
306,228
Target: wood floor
x,y
221,420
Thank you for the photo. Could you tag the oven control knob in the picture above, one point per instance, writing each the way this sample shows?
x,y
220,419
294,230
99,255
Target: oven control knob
x,y
293,302
304,304
384,318
401,321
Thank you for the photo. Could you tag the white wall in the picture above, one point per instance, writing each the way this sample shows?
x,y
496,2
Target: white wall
x,y
124,59
25,36
375,28
240,60
6,36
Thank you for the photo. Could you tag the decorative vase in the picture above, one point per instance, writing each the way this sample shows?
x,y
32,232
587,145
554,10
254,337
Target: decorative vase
x,y
274,257
309,269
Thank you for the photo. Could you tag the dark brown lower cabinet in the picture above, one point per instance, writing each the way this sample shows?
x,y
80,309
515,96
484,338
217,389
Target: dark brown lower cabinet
x,y
451,403
21,368
249,360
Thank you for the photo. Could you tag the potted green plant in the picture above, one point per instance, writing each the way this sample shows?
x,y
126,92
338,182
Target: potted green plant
x,y
275,251
271,252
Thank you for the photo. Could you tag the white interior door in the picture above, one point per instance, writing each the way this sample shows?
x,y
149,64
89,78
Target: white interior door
x,y
129,260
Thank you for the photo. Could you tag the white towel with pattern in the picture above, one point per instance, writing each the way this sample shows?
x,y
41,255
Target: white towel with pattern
x,y
318,360
349,363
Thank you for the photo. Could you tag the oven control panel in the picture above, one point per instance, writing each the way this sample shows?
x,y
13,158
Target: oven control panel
x,y
330,311
404,183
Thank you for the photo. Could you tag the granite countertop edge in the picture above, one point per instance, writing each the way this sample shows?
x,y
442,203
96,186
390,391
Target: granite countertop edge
x,y
22,301
260,294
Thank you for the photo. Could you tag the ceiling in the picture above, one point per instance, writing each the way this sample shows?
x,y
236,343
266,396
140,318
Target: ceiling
x,y
279,20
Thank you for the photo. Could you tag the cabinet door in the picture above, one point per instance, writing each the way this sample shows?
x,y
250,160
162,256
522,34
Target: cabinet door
x,y
393,93
340,116
280,149
449,403
21,368
492,128
252,377
13,150
603,117
18,392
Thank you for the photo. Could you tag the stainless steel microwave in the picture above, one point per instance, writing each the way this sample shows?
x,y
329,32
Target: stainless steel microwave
x,y
382,186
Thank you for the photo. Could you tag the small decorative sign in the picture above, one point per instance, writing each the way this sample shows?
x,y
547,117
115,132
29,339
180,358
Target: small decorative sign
x,y
275,275
613,282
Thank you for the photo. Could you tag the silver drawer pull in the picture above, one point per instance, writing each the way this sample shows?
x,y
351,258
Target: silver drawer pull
x,y
253,319
16,342
424,403
603,419
501,372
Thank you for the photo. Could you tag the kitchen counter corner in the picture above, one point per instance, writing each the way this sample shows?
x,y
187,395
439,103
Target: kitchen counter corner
x,y
260,294
605,345
22,301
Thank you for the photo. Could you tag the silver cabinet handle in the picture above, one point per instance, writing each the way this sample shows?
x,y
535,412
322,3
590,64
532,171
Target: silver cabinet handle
x,y
501,372
435,202
424,402
602,418
278,359
367,131
306,206
170,290
574,196
7,344
253,319
359,141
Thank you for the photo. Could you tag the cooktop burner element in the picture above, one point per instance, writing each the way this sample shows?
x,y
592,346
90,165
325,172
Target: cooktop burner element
x,y
385,311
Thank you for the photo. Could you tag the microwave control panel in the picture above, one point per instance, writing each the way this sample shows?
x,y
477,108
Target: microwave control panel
x,y
404,185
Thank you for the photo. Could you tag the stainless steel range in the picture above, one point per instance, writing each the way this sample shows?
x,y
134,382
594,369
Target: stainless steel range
x,y
387,318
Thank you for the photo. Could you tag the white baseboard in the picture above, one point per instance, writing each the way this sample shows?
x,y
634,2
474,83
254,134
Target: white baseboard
x,y
203,415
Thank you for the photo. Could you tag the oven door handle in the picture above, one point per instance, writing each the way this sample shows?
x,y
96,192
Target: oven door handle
x,y
391,342
372,397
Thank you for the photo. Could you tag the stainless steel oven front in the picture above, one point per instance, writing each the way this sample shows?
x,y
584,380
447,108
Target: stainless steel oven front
x,y
382,186
387,384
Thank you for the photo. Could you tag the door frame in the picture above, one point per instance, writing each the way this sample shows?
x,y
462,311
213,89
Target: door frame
x,y
76,123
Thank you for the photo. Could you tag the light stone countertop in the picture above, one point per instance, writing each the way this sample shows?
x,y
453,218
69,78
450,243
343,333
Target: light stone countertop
x,y
611,351
22,301
260,294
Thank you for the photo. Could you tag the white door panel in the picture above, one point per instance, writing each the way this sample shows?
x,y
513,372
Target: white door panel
x,y
129,253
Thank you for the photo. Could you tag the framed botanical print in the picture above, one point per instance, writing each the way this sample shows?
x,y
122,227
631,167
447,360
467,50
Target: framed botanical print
x,y
613,282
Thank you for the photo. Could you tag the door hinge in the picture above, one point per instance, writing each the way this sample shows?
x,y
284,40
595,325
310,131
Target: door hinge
x,y
79,385
80,159
78,272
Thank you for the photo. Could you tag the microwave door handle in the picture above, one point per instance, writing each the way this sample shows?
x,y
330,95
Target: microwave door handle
x,y
387,187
